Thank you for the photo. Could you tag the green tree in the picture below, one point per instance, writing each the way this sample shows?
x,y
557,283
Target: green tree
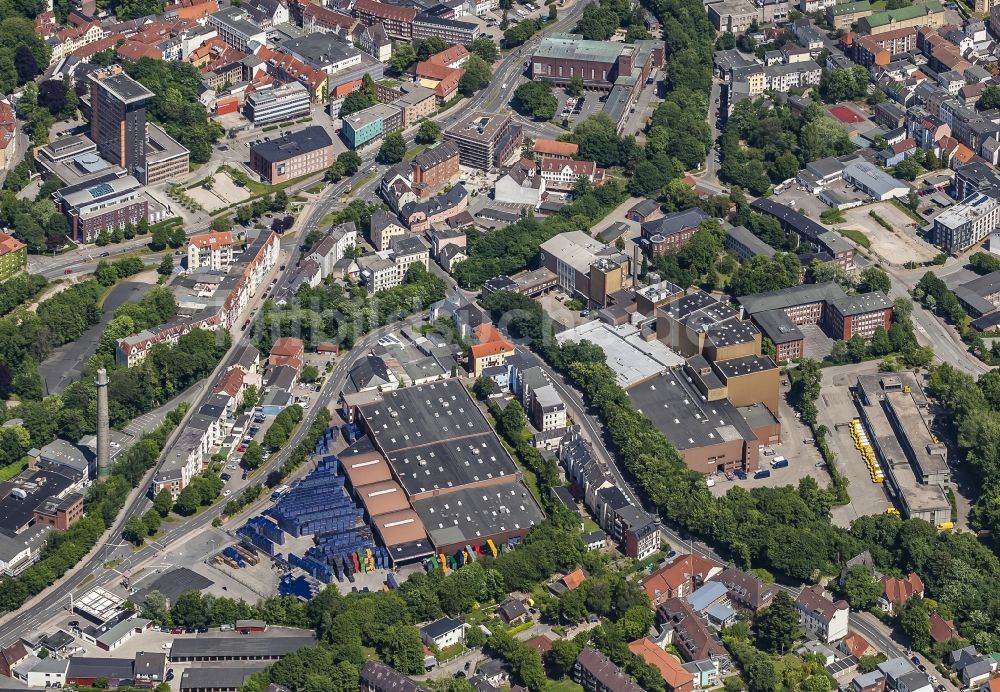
x,y
989,98
482,387
166,267
393,149
163,502
403,56
914,621
428,132
535,99
575,87
875,279
310,373
151,519
135,530
403,649
907,169
861,588
254,456
778,625
485,48
354,102
477,75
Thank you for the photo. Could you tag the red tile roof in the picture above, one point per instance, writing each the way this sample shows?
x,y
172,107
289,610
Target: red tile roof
x,y
10,244
670,668
555,147
685,569
942,630
899,591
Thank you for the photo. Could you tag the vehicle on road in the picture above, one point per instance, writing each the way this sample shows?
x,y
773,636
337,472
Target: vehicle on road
x,y
67,271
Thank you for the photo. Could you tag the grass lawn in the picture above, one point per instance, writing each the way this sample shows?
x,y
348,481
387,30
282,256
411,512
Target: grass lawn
x,y
410,153
315,189
520,627
450,651
566,685
857,236
11,470
589,525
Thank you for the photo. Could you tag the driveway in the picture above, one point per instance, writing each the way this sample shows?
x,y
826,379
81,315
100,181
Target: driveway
x,y
65,364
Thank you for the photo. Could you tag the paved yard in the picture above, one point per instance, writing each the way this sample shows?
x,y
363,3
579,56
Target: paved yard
x,y
836,410
898,247
802,457
817,343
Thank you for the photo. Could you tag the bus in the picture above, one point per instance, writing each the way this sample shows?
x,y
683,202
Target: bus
x,y
279,491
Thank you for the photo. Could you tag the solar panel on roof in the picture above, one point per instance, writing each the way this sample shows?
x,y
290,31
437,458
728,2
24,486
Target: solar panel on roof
x,y
100,190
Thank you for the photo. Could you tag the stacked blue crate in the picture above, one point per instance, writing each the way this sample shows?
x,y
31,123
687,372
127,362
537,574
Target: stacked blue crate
x,y
318,504
317,569
302,587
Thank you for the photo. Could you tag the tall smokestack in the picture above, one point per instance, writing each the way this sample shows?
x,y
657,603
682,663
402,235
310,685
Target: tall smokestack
x,y
103,431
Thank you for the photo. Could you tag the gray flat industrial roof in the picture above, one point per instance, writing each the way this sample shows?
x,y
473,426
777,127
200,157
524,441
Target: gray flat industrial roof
x,y
451,463
785,298
862,303
293,144
412,416
239,646
680,412
473,514
174,583
217,677
126,88
735,367
776,326
571,47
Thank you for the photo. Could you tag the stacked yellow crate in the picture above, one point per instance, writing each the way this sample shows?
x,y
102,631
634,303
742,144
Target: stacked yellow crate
x,y
867,453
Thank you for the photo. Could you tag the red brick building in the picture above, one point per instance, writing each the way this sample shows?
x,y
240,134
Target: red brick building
x,y
60,514
433,169
398,21
858,315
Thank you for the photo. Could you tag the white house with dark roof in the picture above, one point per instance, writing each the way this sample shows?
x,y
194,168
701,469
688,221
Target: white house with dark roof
x,y
444,632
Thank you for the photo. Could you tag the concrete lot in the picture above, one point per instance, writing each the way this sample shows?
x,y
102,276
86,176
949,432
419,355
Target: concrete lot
x,y
802,457
591,106
554,305
836,409
898,247
817,343
224,193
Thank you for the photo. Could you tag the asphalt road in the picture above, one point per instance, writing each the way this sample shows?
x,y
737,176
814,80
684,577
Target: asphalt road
x,y
65,364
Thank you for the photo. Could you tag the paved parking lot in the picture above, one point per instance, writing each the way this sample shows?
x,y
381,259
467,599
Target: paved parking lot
x,y
575,111
802,456
836,409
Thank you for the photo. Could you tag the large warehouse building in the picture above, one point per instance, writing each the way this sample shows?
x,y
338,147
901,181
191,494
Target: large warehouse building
x,y
431,466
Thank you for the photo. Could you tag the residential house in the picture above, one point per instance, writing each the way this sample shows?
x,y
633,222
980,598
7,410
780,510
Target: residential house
x,y
897,592
690,633
680,577
444,632
490,348
820,616
746,590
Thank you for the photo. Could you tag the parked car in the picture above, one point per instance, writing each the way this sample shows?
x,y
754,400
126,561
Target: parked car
x,y
741,474
762,474
176,630
780,464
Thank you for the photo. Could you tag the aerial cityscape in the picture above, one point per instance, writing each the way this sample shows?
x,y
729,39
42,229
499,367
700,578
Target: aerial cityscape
x,y
500,345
